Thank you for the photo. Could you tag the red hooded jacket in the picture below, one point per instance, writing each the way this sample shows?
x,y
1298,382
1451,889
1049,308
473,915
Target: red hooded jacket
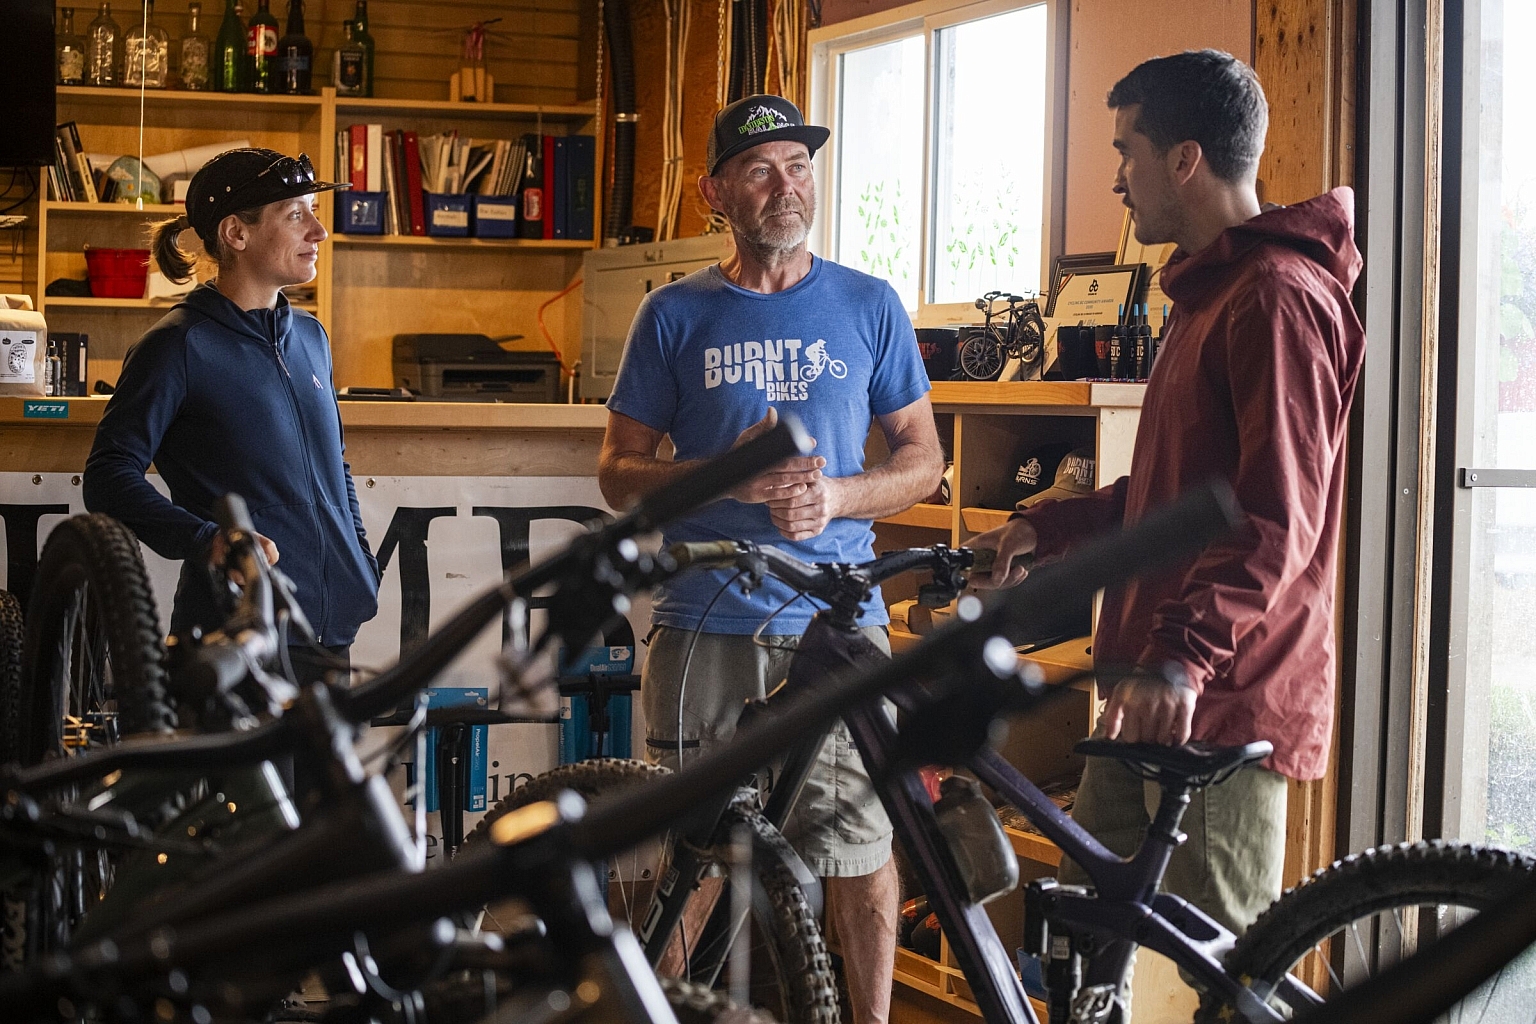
x,y
1253,383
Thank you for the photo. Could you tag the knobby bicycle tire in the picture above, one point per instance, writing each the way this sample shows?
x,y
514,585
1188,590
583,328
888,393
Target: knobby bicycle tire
x,y
91,653
12,637
796,949
1387,879
92,609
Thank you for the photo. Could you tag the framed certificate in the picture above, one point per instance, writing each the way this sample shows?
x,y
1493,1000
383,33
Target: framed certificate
x,y
1070,264
1096,295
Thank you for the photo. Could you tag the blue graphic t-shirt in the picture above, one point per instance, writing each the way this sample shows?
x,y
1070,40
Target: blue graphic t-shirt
x,y
705,360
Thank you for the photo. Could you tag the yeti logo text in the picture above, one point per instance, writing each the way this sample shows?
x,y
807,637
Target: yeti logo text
x,y
768,365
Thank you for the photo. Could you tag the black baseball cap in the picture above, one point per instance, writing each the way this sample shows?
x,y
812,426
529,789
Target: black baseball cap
x,y
758,119
244,179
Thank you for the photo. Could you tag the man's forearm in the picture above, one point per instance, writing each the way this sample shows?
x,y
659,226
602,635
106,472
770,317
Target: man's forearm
x,y
907,477
626,479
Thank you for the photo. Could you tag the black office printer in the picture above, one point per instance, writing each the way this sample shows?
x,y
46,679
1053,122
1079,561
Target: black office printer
x,y
473,368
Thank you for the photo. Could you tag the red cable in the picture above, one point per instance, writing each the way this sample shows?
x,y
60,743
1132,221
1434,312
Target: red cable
x,y
545,330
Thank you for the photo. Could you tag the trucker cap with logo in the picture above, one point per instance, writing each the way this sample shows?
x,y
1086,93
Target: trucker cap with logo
x,y
756,120
1073,474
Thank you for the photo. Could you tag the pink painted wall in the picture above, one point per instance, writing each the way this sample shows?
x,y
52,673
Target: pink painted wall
x,y
1108,38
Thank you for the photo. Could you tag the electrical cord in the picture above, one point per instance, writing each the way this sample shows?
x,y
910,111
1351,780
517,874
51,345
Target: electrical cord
x,y
545,330
693,641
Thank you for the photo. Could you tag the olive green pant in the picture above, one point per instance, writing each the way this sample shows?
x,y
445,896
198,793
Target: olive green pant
x,y
1229,865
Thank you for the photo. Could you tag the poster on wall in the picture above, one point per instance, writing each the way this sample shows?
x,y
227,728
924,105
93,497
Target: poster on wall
x,y
441,541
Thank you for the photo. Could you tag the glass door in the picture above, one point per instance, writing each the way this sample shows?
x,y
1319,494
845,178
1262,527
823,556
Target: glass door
x,y
1490,784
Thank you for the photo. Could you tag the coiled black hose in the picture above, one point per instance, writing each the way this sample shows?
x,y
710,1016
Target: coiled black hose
x,y
620,205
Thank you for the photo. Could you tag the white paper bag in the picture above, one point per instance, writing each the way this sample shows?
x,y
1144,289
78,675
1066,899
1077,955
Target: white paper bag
x,y
23,348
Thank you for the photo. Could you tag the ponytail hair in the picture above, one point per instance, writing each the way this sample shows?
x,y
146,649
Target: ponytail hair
x,y
174,262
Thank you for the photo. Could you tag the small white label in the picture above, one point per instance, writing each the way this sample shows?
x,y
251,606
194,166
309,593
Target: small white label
x,y
450,218
496,211
18,357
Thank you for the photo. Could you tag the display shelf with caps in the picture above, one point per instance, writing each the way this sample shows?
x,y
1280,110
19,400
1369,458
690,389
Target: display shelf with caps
x,y
992,431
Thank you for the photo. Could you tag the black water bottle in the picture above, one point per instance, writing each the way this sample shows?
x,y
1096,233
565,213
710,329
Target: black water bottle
x,y
295,55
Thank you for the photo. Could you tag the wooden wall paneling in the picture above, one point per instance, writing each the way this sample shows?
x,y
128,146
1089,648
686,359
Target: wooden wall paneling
x,y
1303,52
379,292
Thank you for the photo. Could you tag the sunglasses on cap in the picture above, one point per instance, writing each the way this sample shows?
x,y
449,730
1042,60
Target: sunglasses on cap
x,y
286,170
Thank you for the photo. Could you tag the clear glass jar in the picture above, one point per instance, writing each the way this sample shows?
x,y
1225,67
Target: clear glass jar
x,y
147,52
104,50
69,51
195,50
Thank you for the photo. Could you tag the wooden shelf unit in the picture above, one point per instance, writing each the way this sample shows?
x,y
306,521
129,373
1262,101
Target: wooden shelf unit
x,y
367,288
988,428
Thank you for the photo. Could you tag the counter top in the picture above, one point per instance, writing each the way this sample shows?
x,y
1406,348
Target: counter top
x,y
86,412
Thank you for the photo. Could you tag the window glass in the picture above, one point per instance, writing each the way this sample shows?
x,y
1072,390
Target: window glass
x,y
880,163
989,160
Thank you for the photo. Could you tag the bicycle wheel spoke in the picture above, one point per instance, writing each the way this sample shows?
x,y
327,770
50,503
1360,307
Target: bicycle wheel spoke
x,y
1354,933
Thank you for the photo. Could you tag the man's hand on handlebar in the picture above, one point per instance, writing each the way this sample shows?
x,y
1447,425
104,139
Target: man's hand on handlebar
x,y
1014,543
218,549
788,480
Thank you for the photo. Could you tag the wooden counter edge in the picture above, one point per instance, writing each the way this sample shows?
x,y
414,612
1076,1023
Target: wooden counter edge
x,y
86,412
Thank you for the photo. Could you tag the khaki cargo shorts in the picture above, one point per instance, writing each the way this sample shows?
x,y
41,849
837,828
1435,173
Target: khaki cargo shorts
x,y
838,825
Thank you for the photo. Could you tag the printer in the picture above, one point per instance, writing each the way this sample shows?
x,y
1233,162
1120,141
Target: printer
x,y
473,368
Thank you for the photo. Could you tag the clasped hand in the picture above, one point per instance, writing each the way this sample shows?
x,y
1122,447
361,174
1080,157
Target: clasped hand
x,y
801,501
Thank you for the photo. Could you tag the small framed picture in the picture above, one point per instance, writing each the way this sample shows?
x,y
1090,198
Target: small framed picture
x,y
1069,264
1097,295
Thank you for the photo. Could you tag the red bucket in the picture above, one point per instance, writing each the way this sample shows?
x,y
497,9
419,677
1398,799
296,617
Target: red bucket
x,y
117,273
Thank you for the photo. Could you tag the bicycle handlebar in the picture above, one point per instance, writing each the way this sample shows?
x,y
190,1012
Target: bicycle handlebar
x,y
384,692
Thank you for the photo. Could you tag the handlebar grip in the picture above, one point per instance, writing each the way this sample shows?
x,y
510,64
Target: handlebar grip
x,y
231,513
711,552
982,559
717,476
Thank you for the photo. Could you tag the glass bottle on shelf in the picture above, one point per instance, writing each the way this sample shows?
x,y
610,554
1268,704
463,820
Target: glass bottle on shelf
x,y
195,50
104,50
261,48
295,54
230,68
349,64
365,40
69,50
147,52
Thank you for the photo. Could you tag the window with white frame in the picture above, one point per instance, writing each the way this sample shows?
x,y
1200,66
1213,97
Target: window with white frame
x,y
935,178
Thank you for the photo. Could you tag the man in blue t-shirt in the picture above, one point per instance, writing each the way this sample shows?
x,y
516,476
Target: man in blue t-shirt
x,y
711,360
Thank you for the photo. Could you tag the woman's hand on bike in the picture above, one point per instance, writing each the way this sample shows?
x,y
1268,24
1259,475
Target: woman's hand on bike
x,y
788,479
218,549
1014,542
1150,708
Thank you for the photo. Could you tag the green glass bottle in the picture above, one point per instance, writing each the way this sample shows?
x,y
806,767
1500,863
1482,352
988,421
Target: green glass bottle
x,y
366,40
231,68
261,48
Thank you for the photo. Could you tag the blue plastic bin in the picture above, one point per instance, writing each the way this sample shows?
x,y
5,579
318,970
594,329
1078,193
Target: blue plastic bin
x,y
360,213
496,216
448,214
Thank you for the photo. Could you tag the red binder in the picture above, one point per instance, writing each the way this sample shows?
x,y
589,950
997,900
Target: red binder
x,y
357,172
413,184
549,186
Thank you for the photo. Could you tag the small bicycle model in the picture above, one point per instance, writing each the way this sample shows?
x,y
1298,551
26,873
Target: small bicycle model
x,y
1014,332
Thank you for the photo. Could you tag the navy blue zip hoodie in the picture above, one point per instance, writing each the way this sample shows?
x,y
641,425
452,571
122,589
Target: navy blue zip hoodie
x,y
223,399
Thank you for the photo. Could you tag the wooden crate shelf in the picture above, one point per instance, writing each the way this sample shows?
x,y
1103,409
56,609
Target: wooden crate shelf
x,y
562,113
56,207
1062,394
942,982
437,242
169,97
980,520
924,515
1033,846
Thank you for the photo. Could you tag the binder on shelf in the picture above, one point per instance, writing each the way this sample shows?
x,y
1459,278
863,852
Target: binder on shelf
x,y
559,207
358,164
551,196
72,349
581,173
375,158
418,207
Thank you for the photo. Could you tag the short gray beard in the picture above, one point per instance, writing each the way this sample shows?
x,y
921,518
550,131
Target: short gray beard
x,y
770,246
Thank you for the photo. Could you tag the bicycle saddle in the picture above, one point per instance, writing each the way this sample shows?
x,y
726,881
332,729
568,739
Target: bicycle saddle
x,y
1196,763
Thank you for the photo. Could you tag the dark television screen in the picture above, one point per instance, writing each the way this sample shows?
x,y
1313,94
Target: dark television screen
x,y
26,84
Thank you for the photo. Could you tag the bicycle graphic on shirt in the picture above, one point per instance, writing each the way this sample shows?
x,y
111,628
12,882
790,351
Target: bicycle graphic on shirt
x,y
816,352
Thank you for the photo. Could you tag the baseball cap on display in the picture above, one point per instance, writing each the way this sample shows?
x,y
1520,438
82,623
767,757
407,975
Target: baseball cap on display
x,y
756,120
1073,478
244,179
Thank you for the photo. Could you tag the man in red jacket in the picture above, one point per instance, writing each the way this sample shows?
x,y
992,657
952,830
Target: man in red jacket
x,y
1253,384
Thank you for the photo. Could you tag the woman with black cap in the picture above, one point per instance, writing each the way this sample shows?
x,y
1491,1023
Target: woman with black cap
x,y
232,392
